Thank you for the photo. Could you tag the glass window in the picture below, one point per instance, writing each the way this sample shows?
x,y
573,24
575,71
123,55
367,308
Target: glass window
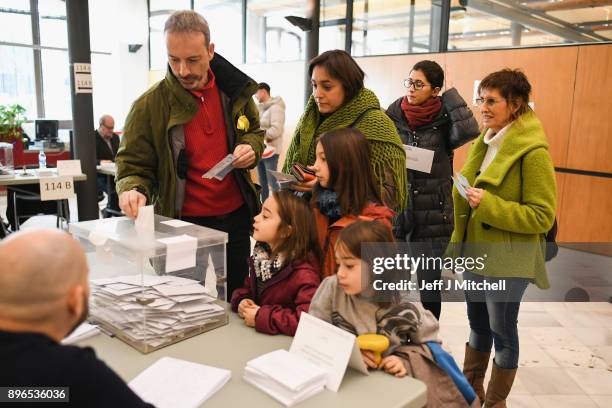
x,y
15,21
225,22
22,5
56,84
159,11
17,78
270,37
331,38
158,55
155,5
488,24
52,20
332,30
332,10
382,27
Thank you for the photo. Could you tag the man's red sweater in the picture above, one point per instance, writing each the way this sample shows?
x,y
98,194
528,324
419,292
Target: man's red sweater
x,y
205,145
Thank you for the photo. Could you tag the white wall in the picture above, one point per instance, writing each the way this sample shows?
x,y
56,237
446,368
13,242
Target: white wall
x,y
121,77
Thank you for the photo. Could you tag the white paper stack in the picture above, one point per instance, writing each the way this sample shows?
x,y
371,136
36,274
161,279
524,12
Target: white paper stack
x,y
153,309
170,383
287,377
84,331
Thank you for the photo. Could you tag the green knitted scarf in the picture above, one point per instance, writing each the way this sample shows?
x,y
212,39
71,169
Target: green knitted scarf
x,y
385,144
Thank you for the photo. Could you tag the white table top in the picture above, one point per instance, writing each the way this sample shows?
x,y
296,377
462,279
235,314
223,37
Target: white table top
x,y
32,177
231,346
107,169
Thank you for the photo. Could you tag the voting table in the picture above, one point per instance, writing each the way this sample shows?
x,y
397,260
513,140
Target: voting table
x,y
233,345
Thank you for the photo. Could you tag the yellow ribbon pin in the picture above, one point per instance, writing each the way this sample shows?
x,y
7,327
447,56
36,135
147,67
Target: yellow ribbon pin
x,y
243,123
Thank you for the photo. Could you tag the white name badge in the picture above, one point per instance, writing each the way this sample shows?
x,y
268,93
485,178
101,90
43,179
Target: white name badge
x,y
56,188
419,159
329,347
69,167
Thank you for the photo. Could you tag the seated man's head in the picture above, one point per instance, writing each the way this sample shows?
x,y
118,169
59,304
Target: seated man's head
x,y
43,276
107,126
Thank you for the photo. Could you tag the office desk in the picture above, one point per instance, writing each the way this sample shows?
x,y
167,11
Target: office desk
x,y
106,169
231,346
31,178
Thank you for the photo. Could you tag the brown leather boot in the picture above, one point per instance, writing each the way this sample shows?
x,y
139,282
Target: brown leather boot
x,y
474,368
499,386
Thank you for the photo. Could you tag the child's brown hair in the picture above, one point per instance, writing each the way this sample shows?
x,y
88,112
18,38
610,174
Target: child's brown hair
x,y
299,227
347,152
360,232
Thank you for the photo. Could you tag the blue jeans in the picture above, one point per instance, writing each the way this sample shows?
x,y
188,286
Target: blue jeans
x,y
266,164
493,320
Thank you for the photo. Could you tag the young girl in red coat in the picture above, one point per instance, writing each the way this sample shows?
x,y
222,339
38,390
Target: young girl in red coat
x,y
284,271
346,190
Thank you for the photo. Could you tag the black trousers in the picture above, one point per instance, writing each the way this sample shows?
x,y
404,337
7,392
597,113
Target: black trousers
x,y
238,225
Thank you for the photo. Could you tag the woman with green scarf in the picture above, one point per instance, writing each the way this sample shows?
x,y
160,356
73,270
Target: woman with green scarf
x,y
339,100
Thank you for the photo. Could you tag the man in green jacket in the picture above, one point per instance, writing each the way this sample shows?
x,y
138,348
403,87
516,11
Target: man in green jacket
x,y
184,125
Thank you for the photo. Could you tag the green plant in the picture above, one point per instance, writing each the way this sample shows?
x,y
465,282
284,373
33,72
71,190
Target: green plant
x,y
11,118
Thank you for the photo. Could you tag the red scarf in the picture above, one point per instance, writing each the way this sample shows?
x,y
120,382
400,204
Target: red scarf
x,y
419,115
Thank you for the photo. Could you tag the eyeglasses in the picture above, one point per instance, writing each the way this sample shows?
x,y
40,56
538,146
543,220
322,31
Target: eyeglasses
x,y
418,85
487,101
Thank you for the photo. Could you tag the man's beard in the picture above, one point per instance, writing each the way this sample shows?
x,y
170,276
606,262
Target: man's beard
x,y
83,315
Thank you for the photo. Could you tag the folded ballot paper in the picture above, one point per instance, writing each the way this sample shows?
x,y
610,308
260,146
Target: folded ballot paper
x,y
171,383
462,184
287,377
84,331
152,308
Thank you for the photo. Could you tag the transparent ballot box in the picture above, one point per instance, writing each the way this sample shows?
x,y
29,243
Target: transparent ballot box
x,y
7,168
152,287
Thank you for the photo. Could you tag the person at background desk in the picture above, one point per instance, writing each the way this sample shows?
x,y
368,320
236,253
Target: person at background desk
x,y
181,128
107,144
44,297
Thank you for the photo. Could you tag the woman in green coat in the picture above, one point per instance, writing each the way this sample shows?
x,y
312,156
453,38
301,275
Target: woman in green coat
x,y
339,100
506,215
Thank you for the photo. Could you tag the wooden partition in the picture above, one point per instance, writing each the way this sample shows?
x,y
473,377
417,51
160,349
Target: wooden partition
x,y
590,146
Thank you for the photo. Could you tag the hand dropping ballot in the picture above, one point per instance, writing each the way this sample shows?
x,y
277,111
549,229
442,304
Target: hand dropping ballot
x,y
462,184
221,169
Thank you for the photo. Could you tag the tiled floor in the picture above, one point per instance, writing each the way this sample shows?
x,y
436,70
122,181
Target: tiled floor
x,y
565,360
566,350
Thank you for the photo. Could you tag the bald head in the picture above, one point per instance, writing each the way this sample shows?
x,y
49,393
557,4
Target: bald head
x,y
41,271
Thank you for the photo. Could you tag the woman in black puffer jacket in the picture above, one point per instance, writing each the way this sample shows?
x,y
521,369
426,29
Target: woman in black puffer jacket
x,y
440,123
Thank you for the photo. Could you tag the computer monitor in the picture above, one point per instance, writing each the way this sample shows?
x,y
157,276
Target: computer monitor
x,y
46,129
